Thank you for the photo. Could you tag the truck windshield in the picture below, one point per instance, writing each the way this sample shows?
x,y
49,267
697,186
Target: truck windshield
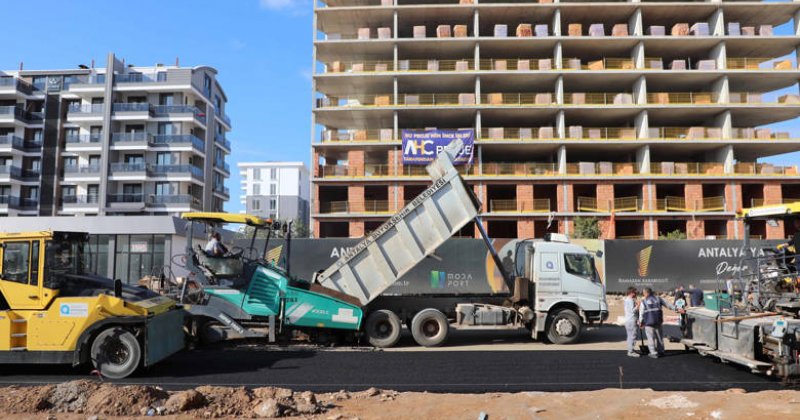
x,y
581,265
63,257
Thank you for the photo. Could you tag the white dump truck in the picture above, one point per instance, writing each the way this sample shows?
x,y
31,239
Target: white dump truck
x,y
554,294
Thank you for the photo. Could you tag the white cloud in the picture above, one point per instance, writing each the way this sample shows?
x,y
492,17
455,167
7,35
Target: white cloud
x,y
281,4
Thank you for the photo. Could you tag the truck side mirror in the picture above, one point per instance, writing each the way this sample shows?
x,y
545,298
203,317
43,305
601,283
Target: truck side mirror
x,y
117,288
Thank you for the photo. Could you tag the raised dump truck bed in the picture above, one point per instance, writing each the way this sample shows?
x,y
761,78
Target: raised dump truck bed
x,y
408,237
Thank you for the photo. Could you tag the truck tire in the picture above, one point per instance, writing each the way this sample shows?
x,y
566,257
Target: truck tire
x,y
564,327
116,353
430,327
383,328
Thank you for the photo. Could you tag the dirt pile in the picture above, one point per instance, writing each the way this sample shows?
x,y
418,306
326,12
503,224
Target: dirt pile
x,y
102,399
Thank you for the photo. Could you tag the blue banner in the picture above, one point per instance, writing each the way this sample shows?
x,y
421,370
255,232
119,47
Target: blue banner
x,y
420,147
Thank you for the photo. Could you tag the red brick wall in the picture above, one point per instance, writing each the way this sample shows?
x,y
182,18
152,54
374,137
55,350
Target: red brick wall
x,y
773,193
395,205
355,162
776,232
731,203
315,164
732,226
316,228
355,196
356,229
393,159
605,196
648,226
607,230
560,197
693,193
315,200
525,228
525,200
695,229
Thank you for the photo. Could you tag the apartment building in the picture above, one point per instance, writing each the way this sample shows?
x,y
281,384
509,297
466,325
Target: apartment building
x,y
118,140
653,117
277,190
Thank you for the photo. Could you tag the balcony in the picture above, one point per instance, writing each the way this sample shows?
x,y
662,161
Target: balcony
x,y
168,170
82,171
763,64
11,142
178,111
222,141
763,169
125,200
138,107
13,85
76,201
174,200
128,169
224,117
222,165
221,189
519,169
19,114
160,77
376,206
601,168
130,140
84,140
85,109
600,133
178,140
332,207
376,135
93,81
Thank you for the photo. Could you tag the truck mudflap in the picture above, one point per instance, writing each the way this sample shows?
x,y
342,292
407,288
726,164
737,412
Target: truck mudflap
x,y
161,338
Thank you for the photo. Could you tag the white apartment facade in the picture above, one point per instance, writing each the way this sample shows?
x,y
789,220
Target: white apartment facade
x,y
277,190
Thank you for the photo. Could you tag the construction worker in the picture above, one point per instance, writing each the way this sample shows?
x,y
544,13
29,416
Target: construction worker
x,y
652,318
695,296
631,328
214,247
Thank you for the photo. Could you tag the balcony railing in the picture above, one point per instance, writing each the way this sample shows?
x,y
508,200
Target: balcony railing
x,y
84,138
687,168
18,203
134,137
125,198
760,134
376,206
158,77
595,65
80,199
21,114
165,110
501,206
13,141
600,133
763,169
518,99
375,66
162,200
519,169
178,139
518,133
222,190
121,167
601,168
598,98
682,98
94,79
17,84
85,109
194,171
220,164
131,107
82,169
628,204
752,63
222,141
383,134
327,207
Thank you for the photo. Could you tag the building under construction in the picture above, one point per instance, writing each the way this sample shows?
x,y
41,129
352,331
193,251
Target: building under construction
x,y
653,117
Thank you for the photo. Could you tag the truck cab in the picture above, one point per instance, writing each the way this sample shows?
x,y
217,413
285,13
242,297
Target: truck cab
x,y
566,290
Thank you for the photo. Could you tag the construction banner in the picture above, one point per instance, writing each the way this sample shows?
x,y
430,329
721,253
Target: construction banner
x,y
420,147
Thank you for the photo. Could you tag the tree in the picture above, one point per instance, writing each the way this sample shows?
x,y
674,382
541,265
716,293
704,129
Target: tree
x,y
587,228
673,235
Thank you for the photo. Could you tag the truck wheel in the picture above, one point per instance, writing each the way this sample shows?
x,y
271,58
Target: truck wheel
x,y
430,327
383,328
564,327
116,353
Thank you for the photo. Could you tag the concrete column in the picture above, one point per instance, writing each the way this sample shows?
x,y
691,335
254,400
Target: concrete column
x,y
561,125
562,160
558,56
721,90
559,90
478,125
395,91
395,125
725,122
720,55
643,159
480,160
642,125
395,58
478,90
725,156
637,55
477,56
640,91
716,24
476,20
395,27
635,25
557,23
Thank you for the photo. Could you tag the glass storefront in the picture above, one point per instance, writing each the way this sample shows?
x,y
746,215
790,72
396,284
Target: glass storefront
x,y
137,256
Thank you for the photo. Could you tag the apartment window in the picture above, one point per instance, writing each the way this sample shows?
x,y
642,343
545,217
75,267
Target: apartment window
x,y
218,104
70,161
36,135
71,133
206,85
35,164
5,190
68,191
256,189
161,76
97,101
137,99
134,159
256,205
273,204
167,99
166,158
168,128
165,188
132,189
273,174
134,128
256,173
31,193
94,160
92,192
273,189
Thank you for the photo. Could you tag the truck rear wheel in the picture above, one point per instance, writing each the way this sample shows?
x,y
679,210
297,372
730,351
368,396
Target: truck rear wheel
x,y
564,327
383,328
116,353
430,327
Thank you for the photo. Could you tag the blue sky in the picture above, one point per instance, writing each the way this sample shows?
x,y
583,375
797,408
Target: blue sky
x,y
262,49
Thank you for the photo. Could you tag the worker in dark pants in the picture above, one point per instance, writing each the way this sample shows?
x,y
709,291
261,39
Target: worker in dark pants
x,y
652,318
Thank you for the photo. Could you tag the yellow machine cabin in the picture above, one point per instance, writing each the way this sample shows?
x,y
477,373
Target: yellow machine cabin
x,y
53,311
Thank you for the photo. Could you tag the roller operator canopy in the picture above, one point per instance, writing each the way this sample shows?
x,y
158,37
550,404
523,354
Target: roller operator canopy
x,y
776,211
212,217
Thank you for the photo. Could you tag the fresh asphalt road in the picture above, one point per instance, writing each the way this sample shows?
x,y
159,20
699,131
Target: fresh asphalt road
x,y
439,371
